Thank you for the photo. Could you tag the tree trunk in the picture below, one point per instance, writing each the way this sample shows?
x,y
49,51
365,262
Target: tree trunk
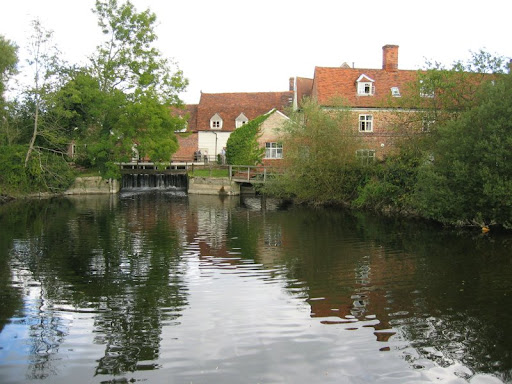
x,y
34,135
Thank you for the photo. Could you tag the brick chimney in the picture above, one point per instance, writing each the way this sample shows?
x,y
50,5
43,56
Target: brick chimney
x,y
390,58
291,84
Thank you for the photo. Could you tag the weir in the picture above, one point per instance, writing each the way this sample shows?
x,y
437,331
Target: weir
x,y
154,181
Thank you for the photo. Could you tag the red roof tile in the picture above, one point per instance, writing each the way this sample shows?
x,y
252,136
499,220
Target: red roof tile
x,y
330,84
230,105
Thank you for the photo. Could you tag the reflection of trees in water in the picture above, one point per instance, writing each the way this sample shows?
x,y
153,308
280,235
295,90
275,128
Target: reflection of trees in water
x,y
143,268
18,221
120,263
445,293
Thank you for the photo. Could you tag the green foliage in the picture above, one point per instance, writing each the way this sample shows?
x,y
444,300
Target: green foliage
x,y
8,62
46,172
123,102
242,146
210,172
320,162
44,61
80,104
149,124
391,183
127,59
469,179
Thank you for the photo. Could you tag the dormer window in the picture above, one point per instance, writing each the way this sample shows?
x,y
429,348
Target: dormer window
x,y
365,86
216,122
241,120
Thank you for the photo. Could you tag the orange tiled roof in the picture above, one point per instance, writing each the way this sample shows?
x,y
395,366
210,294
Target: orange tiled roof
x,y
331,83
230,105
189,110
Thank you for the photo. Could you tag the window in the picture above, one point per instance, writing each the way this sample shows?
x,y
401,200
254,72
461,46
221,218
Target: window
x,y
273,151
216,122
135,153
425,90
395,92
365,123
365,156
365,86
427,123
241,120
184,126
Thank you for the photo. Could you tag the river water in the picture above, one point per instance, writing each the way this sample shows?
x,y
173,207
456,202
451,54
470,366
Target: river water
x,y
163,288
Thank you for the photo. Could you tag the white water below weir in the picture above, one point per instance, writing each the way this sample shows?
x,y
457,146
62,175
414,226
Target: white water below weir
x,y
154,181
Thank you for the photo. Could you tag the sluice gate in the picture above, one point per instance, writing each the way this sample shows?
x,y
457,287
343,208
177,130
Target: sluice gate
x,y
153,179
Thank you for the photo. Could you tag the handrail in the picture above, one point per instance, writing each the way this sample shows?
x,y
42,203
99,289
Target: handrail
x,y
240,173
250,173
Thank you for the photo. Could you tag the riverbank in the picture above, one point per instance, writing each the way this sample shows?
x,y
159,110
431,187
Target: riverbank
x,y
5,199
223,186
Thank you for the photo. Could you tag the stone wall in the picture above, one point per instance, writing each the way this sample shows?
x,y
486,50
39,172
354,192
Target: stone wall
x,y
212,186
93,185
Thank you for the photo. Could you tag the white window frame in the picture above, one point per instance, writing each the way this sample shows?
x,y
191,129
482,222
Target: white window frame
x,y
241,120
426,123
216,122
395,92
135,153
365,86
365,156
273,150
365,123
425,92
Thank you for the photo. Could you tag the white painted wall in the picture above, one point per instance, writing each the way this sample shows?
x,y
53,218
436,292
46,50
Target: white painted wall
x,y
212,142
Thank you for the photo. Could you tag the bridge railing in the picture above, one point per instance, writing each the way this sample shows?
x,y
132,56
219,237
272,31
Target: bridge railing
x,y
251,173
239,173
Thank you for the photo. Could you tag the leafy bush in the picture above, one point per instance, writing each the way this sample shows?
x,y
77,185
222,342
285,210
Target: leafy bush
x,y
46,172
390,184
242,147
469,180
319,165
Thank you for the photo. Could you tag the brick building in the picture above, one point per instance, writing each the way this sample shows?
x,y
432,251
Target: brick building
x,y
211,121
368,93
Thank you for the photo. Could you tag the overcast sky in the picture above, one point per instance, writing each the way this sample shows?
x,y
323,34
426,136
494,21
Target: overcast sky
x,y
256,46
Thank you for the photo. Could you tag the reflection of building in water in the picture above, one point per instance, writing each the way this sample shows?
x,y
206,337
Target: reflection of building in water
x,y
208,220
212,226
361,295
360,279
272,236
270,245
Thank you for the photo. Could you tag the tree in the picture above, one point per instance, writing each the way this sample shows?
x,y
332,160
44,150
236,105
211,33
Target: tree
x,y
469,180
434,172
440,94
139,86
8,63
320,163
44,59
242,147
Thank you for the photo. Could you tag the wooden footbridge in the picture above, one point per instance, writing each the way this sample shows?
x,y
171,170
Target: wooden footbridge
x,y
243,174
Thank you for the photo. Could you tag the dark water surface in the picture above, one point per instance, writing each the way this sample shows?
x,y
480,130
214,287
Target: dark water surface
x,y
156,288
